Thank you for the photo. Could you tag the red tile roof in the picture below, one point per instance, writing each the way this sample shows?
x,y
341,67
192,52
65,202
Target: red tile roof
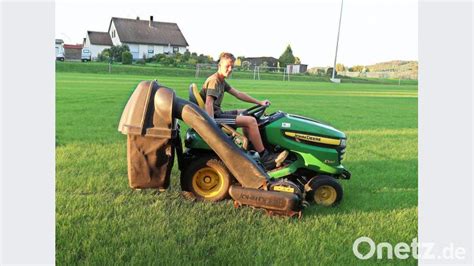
x,y
73,46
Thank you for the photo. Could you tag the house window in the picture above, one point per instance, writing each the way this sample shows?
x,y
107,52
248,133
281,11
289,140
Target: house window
x,y
151,49
175,49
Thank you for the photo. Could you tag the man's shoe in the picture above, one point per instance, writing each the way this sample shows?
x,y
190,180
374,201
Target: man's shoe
x,y
281,158
273,160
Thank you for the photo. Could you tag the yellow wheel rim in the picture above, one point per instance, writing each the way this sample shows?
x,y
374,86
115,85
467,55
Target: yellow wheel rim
x,y
207,182
325,195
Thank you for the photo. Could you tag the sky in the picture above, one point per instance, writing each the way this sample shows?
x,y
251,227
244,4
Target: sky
x,y
372,31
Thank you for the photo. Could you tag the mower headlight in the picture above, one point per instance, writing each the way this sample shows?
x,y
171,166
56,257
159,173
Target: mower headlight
x,y
343,143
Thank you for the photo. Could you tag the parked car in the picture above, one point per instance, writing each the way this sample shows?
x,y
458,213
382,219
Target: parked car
x,y
59,51
60,57
85,55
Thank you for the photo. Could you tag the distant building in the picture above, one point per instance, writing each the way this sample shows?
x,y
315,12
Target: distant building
x,y
296,68
96,42
258,61
145,38
72,51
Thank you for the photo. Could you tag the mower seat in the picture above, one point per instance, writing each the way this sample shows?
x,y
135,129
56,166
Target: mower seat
x,y
194,96
238,138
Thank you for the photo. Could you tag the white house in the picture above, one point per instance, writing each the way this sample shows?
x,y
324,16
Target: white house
x,y
145,38
96,42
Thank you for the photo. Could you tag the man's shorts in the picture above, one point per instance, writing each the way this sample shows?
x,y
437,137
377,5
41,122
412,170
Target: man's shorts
x,y
226,117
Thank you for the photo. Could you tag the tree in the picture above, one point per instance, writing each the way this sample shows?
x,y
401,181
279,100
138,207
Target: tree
x,y
356,68
202,59
264,66
287,57
238,62
297,60
340,67
246,65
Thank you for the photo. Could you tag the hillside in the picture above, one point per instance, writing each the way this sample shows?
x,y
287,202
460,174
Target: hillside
x,y
394,66
391,69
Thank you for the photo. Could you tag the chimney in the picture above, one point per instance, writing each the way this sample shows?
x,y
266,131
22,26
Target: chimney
x,y
138,18
151,21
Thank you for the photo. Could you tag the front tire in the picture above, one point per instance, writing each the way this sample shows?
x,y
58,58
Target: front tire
x,y
207,178
324,191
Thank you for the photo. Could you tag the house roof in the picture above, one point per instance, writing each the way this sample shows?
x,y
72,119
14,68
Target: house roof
x,y
259,60
262,58
99,38
139,31
72,46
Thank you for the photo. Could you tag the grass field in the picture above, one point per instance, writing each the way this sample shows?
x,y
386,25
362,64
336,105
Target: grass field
x,y
100,220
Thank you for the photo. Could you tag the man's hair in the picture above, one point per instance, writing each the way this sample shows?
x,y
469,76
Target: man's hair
x,y
225,55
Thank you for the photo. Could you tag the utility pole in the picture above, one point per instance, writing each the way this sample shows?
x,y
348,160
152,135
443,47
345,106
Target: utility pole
x,y
333,79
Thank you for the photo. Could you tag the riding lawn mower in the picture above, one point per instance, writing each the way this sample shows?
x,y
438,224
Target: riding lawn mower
x,y
218,161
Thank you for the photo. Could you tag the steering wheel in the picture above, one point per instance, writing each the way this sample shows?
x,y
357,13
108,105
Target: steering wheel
x,y
256,111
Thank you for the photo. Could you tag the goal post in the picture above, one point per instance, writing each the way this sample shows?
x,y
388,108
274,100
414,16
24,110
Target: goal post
x,y
254,72
205,70
271,73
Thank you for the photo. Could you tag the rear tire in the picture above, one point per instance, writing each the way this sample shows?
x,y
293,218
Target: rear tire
x,y
207,178
325,191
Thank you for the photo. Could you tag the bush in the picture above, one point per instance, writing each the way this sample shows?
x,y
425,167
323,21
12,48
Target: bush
x,y
186,56
104,56
116,51
126,58
168,60
158,57
141,62
329,72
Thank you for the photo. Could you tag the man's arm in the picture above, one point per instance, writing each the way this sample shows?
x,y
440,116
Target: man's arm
x,y
210,105
246,98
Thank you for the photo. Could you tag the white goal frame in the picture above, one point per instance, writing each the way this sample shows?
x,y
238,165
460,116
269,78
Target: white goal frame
x,y
257,70
200,67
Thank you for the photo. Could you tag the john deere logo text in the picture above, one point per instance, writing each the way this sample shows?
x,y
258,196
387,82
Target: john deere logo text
x,y
312,138
308,137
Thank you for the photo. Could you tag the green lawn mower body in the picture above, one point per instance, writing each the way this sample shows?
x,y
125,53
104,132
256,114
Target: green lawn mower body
x,y
314,146
314,163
